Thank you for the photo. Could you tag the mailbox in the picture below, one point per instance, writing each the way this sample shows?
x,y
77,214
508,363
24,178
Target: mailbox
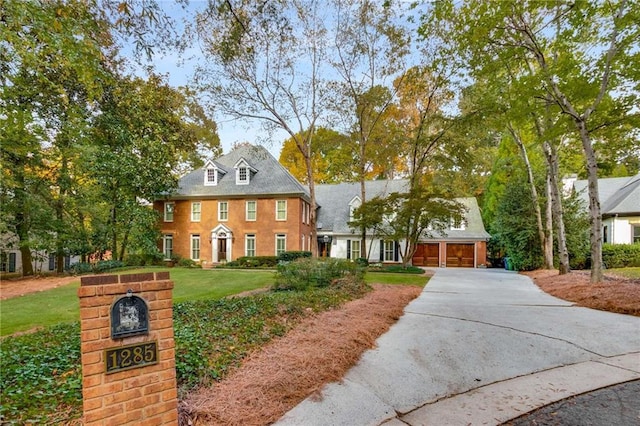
x,y
129,316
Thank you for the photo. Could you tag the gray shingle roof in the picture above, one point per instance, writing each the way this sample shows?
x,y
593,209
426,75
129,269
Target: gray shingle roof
x,y
617,195
334,211
270,178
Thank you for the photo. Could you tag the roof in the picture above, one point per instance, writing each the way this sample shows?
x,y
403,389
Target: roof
x,y
333,201
270,177
618,196
334,214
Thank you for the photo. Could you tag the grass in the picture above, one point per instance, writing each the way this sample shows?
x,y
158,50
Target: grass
x,y
60,305
399,279
625,272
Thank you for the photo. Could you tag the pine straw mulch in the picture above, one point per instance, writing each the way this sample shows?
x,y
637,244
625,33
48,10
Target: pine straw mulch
x,y
281,374
614,294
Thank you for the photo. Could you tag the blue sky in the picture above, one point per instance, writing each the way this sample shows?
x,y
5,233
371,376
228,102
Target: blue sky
x,y
179,68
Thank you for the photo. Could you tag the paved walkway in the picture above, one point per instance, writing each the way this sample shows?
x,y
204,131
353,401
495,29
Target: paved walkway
x,y
478,347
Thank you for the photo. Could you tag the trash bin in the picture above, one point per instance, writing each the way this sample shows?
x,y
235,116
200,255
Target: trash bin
x,y
507,264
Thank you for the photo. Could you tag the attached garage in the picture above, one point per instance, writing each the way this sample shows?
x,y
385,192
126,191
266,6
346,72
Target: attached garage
x,y
427,255
460,255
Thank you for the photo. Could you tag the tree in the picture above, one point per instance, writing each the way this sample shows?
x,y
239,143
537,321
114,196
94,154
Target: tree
x,y
582,55
146,131
331,158
268,62
407,217
371,49
45,92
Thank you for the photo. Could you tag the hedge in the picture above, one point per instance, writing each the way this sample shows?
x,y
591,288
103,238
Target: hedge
x,y
621,255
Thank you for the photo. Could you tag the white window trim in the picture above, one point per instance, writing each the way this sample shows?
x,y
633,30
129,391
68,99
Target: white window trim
x,y
220,219
173,210
166,237
462,227
194,238
285,210
193,204
281,237
255,211
247,238
391,252
357,244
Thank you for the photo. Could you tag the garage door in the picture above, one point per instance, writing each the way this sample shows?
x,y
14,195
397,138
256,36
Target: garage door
x,y
460,255
426,255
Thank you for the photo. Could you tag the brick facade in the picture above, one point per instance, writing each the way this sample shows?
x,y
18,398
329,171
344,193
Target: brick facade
x,y
265,228
144,395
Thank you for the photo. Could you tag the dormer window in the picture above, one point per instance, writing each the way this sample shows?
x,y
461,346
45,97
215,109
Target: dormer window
x,y
211,177
353,205
243,172
212,174
243,176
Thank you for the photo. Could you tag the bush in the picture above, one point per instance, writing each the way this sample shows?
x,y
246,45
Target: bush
x,y
290,256
253,262
107,265
306,273
621,255
362,261
100,266
399,269
80,268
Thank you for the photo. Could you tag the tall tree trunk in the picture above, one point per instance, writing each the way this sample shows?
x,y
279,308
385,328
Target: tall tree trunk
x,y
551,155
23,223
534,192
548,228
595,214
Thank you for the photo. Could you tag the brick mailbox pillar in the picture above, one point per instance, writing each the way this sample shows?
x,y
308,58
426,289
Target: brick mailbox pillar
x,y
128,350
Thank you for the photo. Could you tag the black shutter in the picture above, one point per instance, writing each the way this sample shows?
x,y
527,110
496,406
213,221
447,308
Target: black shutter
x,y
348,249
381,250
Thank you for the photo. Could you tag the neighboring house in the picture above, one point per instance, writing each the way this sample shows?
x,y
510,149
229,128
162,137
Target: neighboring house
x,y
620,207
42,261
246,203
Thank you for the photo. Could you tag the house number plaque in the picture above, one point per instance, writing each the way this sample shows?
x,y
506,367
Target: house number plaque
x,y
131,356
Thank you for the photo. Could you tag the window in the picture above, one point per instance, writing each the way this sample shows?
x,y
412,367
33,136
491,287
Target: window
x,y
196,211
167,246
389,251
457,224
168,211
281,244
8,263
243,175
636,235
353,205
251,210
250,245
210,176
281,210
195,247
223,211
353,249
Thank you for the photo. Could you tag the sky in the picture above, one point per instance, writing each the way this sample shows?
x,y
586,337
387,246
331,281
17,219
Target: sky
x,y
179,68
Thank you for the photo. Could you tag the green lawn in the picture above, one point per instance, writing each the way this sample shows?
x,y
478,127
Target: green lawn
x,y
60,304
625,272
391,278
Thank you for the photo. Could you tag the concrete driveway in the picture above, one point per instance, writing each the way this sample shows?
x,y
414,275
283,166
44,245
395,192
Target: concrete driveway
x,y
478,346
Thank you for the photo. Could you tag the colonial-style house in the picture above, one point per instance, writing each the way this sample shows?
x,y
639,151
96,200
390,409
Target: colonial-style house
x,y
620,207
246,203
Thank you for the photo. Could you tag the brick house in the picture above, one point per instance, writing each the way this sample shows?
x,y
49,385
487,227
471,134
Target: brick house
x,y
246,203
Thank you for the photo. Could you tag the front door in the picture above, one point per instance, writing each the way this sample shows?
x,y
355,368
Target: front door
x,y
222,248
